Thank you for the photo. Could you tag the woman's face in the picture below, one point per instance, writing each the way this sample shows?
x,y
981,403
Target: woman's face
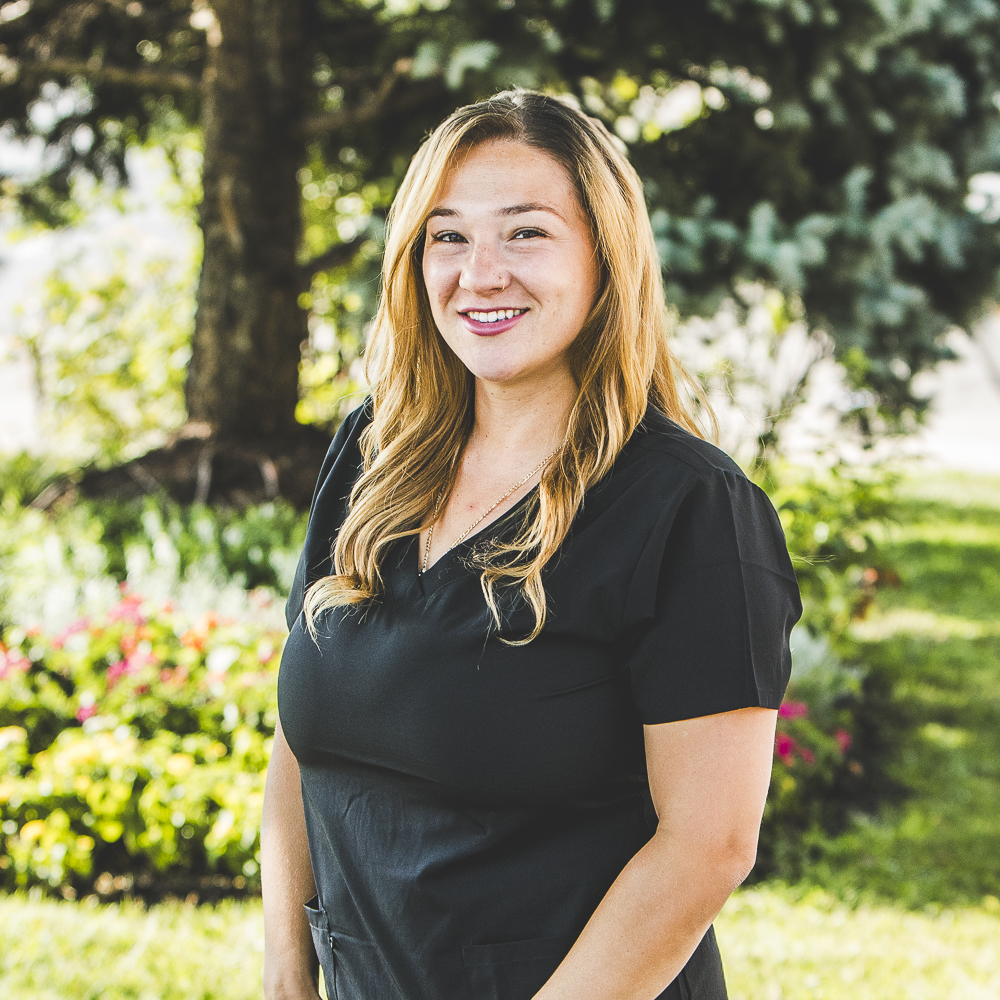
x,y
510,264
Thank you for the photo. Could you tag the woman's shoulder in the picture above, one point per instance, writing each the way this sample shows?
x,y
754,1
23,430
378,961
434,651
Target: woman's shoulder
x,y
346,442
662,443
343,461
337,476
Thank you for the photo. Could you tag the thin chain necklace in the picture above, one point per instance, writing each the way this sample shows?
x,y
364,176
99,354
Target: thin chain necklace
x,y
493,506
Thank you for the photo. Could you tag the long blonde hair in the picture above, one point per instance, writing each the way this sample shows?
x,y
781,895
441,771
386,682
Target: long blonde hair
x,y
422,395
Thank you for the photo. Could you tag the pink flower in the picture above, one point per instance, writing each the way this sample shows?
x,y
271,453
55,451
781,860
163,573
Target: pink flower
x,y
115,670
80,625
807,755
784,747
84,712
127,609
12,660
793,710
843,737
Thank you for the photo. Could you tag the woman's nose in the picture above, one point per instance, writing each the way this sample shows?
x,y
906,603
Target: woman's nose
x,y
483,270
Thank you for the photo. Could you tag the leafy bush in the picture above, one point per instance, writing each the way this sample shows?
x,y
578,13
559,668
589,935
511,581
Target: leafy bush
x,y
818,775
134,740
135,743
831,750
109,344
57,566
834,522
255,547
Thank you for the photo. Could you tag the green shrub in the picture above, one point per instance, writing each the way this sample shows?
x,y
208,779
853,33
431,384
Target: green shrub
x,y
834,522
58,565
831,754
134,740
137,742
818,776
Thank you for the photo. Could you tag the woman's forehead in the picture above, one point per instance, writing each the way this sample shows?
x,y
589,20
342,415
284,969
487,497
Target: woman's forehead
x,y
506,178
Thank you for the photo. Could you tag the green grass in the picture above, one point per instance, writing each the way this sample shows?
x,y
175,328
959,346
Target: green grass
x,y
937,638
776,946
56,951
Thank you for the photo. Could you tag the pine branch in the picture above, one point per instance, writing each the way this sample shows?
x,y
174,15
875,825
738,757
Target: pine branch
x,y
339,253
145,79
387,100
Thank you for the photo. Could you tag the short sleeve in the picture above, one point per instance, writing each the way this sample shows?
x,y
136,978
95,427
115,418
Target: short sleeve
x,y
714,597
337,476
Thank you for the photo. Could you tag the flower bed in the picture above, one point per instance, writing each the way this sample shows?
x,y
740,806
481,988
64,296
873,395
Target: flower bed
x,y
137,743
134,748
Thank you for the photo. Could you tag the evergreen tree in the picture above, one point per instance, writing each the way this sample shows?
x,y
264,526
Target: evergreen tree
x,y
823,146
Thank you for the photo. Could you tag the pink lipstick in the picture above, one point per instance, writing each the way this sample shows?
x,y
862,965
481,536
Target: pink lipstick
x,y
489,329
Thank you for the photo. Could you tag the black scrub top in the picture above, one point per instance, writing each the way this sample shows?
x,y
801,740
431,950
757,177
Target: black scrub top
x,y
469,803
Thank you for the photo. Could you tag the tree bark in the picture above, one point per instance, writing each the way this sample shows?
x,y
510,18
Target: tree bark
x,y
243,377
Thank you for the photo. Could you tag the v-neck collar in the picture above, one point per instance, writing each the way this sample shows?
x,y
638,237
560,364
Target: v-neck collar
x,y
453,564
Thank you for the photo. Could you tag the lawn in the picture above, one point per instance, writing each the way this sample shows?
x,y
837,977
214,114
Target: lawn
x,y
776,946
937,638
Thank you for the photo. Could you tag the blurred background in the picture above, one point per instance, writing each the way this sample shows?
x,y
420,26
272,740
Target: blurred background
x,y
192,207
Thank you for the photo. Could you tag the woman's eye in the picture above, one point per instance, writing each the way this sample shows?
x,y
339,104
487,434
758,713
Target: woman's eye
x,y
447,237
524,234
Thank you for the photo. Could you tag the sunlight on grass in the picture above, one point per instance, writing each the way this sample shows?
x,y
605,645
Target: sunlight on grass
x,y
935,643
777,948
961,489
926,624
55,951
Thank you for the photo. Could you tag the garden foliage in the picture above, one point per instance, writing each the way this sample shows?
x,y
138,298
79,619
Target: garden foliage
x,y
134,738
135,743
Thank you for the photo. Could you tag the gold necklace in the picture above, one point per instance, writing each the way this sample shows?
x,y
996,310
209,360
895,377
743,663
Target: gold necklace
x,y
493,506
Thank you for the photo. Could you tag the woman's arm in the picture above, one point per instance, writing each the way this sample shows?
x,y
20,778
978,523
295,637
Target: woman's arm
x,y
290,966
709,779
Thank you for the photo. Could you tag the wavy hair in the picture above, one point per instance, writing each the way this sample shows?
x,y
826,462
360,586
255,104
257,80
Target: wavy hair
x,y
422,394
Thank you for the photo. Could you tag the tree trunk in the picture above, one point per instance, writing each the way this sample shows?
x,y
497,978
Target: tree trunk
x,y
243,377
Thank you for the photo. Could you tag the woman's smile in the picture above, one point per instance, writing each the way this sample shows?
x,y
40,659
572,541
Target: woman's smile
x,y
490,322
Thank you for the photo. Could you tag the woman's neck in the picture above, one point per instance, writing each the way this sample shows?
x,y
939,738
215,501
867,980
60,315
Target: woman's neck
x,y
522,421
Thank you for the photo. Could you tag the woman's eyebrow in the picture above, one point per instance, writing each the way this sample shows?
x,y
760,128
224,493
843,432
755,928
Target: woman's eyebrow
x,y
534,206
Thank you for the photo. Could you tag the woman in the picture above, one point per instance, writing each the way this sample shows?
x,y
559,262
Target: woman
x,y
539,627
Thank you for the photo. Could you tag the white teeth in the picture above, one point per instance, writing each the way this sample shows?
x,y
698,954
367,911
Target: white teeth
x,y
494,316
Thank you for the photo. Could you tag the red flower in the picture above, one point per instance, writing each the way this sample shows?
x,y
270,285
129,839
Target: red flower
x,y
784,747
843,737
84,712
793,710
807,755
